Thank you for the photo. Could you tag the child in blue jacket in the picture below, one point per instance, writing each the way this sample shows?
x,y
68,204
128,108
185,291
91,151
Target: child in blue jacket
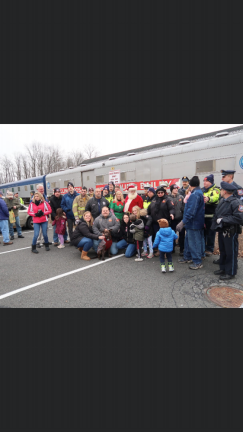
x,y
164,240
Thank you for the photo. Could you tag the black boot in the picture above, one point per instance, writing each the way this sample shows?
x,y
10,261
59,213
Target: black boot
x,y
219,272
47,246
34,249
216,261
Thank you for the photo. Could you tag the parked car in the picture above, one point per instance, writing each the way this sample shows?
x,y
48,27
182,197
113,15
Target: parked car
x,y
24,218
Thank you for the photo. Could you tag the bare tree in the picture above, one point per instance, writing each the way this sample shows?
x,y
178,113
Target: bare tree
x,y
18,166
90,151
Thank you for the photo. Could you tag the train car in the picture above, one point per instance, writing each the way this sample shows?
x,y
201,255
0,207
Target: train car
x,y
24,187
170,161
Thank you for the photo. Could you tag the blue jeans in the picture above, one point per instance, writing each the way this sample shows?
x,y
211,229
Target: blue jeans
x,y
86,243
95,244
130,248
5,230
194,245
209,235
18,227
37,226
55,236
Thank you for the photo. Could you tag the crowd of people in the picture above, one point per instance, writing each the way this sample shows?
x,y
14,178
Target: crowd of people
x,y
145,226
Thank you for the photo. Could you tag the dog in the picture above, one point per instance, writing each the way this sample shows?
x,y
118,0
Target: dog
x,y
105,245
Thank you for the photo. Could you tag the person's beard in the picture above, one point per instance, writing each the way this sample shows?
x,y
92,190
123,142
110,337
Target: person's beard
x,y
132,196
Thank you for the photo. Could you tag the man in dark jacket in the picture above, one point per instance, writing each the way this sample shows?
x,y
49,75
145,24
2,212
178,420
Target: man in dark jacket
x,y
55,203
95,204
67,205
193,221
178,201
185,186
228,177
4,217
14,204
227,221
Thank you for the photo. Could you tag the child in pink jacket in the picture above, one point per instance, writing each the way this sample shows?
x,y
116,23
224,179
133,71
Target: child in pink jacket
x,y
60,222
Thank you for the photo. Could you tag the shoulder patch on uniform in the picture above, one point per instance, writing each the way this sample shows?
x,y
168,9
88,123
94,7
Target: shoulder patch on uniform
x,y
240,191
165,201
217,192
241,208
171,202
110,220
117,220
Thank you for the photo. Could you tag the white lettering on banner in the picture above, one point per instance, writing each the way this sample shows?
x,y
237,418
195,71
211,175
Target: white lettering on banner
x,y
153,183
114,176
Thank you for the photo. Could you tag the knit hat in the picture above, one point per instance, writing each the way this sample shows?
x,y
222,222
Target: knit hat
x,y
70,184
152,190
106,187
194,182
56,190
210,178
160,189
163,223
174,186
9,195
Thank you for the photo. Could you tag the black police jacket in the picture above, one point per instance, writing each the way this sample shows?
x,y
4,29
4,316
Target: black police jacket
x,y
161,208
231,212
92,206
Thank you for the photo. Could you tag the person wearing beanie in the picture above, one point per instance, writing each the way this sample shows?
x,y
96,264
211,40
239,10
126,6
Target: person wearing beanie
x,y
67,206
193,221
178,201
148,199
105,191
164,240
211,195
111,192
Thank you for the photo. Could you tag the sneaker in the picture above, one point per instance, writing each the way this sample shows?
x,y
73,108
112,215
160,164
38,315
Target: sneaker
x,y
56,244
171,267
138,259
183,261
208,253
195,266
60,246
163,268
151,255
144,254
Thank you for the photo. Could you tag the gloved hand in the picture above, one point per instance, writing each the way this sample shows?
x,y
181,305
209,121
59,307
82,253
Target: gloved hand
x,y
40,213
146,228
76,221
69,210
219,220
180,226
37,215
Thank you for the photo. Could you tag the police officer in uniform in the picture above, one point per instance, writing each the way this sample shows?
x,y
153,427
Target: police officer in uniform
x,y
227,221
145,196
228,177
185,186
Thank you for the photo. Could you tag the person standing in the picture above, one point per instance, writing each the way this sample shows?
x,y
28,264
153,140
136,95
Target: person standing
x,y
132,199
67,205
227,221
211,194
111,194
178,201
39,209
164,240
60,223
55,203
79,204
185,186
105,191
117,205
146,187
16,195
228,177
4,218
95,204
14,204
41,190
147,201
91,192
193,221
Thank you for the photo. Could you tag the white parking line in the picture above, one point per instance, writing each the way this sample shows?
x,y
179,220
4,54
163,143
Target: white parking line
x,y
15,250
11,293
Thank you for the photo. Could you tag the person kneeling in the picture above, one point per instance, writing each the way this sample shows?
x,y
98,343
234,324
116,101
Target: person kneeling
x,y
164,240
82,237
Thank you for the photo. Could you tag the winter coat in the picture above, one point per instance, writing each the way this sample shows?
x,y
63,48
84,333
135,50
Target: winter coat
x,y
67,204
92,206
82,230
11,203
231,212
33,209
118,208
110,222
137,228
161,208
55,203
125,233
138,201
182,191
148,223
79,206
164,239
213,193
60,225
4,213
178,201
110,196
147,201
194,210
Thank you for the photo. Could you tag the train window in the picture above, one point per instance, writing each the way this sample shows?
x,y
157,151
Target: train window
x,y
31,187
26,188
53,185
12,189
99,179
123,177
206,166
66,183
18,188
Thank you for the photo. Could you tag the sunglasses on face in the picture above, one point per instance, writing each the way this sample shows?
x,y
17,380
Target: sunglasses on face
x,y
159,193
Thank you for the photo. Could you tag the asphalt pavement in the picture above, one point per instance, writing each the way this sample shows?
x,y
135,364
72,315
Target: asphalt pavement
x,y
59,279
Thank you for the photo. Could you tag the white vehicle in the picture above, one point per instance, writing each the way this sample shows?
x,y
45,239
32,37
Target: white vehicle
x,y
24,218
170,161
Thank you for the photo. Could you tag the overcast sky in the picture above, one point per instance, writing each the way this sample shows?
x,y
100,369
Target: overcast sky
x,y
106,138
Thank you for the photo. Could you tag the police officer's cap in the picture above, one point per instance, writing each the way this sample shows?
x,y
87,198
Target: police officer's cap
x,y
226,172
228,187
185,179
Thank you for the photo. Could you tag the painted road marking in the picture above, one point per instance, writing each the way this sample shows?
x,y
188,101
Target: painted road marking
x,y
11,293
15,250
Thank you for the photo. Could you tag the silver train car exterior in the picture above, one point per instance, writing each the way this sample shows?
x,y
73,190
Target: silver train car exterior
x,y
154,164
24,187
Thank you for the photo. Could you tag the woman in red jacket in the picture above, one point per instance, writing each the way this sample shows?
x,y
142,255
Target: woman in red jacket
x,y
39,209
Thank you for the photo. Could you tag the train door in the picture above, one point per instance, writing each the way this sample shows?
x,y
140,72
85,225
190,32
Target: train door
x,y
87,179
